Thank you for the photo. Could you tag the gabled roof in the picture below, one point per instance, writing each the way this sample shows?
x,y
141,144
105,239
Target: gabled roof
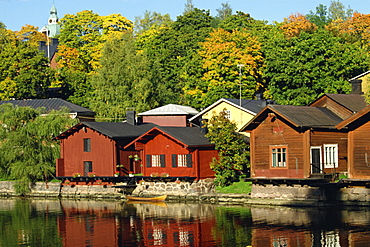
x,y
353,118
188,136
251,106
112,130
359,76
50,104
299,116
170,109
353,102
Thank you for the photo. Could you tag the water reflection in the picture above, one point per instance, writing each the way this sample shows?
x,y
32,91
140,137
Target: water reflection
x,y
101,223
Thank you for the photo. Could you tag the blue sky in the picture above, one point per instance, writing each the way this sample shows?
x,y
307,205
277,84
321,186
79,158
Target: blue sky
x,y
16,13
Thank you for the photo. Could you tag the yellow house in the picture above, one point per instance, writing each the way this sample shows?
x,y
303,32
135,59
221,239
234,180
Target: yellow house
x,y
361,83
238,111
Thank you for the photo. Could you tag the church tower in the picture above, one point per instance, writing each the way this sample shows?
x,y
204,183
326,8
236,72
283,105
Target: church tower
x,y
52,28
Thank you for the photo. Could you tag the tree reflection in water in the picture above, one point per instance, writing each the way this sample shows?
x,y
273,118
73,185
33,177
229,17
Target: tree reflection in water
x,y
107,223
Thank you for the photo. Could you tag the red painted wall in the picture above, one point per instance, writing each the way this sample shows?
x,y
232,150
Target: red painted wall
x,y
103,154
162,144
173,121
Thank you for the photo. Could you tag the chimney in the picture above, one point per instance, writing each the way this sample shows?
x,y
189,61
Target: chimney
x,y
130,117
356,87
259,96
203,127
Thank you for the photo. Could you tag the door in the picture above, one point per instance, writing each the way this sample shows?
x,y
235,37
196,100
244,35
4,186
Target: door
x,y
316,166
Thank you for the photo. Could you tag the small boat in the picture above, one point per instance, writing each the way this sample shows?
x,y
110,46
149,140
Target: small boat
x,y
147,199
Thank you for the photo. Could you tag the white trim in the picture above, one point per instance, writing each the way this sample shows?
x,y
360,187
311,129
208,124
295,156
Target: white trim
x,y
360,75
321,165
330,155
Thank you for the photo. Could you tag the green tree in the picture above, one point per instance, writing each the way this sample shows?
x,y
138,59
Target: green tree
x,y
151,20
28,151
172,48
320,17
123,81
24,71
233,158
337,11
300,69
224,11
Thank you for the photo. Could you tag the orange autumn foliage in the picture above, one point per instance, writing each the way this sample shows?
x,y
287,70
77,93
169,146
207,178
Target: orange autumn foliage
x,y
295,24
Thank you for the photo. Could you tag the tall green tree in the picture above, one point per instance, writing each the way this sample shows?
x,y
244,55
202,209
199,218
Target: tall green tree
x,y
172,48
151,20
123,81
24,71
300,69
28,151
320,17
233,158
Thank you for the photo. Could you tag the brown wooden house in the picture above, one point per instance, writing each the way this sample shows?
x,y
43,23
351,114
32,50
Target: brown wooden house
x,y
296,142
176,151
98,147
358,127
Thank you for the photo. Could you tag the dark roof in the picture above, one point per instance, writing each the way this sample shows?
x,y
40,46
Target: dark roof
x,y
191,136
112,130
364,113
353,102
53,48
252,105
50,104
307,116
299,116
119,130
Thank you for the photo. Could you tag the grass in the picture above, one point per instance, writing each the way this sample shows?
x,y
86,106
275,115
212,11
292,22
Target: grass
x,y
240,187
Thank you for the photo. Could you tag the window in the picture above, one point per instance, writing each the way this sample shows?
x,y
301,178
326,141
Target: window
x,y
87,167
182,160
278,156
330,155
156,160
87,145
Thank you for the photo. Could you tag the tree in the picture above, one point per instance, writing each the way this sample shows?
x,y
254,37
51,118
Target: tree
x,y
81,39
337,11
28,151
172,48
241,22
24,71
233,158
320,17
189,6
357,29
295,24
123,81
300,69
151,20
221,53
224,11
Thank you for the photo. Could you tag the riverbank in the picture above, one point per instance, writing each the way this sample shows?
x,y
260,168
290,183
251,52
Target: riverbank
x,y
201,191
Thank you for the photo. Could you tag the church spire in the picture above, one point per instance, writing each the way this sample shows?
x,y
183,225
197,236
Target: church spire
x,y
52,28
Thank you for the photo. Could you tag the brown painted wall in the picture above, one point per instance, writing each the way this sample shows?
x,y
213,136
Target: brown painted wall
x,y
273,131
333,106
102,155
359,152
173,121
321,138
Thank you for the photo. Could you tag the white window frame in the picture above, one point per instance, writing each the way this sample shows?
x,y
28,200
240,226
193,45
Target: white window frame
x,y
156,160
320,148
181,160
330,155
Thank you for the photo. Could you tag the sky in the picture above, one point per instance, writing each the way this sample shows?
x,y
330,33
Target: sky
x,y
16,13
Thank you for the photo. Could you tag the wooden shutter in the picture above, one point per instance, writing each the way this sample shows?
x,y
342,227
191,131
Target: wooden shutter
x,y
174,160
163,160
148,160
189,161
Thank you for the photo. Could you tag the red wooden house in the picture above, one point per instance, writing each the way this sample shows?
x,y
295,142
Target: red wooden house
x,y
296,142
358,127
177,151
98,147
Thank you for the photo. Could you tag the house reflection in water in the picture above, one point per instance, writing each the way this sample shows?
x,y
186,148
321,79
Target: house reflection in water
x,y
313,227
96,224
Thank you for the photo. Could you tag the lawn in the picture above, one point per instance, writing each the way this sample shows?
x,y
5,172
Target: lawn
x,y
240,187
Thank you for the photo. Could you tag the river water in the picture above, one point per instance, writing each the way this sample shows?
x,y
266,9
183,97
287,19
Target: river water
x,y
30,222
